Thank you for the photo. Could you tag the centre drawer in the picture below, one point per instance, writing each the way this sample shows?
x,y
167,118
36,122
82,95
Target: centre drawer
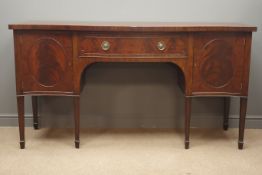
x,y
173,46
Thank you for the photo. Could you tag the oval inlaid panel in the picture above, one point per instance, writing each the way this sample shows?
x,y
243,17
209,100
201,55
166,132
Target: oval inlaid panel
x,y
217,68
47,61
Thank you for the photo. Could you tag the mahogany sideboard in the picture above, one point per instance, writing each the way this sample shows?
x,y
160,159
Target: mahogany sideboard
x,y
211,59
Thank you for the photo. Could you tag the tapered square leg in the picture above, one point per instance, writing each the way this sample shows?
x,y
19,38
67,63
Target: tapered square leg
x,y
77,120
242,118
35,112
187,120
226,112
21,120
22,144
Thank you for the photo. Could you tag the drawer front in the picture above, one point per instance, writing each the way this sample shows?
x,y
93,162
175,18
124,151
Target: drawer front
x,y
133,46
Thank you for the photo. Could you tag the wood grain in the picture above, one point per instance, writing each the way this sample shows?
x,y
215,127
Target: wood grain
x,y
218,62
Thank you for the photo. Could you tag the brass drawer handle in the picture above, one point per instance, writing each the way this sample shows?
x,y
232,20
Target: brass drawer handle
x,y
105,45
161,45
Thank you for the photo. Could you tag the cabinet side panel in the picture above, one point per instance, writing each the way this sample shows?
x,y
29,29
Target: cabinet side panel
x,y
18,68
246,66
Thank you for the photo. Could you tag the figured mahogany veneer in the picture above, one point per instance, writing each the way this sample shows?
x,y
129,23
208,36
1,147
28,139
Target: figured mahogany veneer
x,y
46,61
212,60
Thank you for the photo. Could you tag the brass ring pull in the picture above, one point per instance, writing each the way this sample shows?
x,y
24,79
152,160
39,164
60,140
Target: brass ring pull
x,y
105,45
161,45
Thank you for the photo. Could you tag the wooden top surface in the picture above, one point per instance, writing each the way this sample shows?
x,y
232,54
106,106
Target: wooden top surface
x,y
134,26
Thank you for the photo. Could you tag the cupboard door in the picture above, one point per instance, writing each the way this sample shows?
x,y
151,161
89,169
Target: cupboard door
x,y
218,63
46,61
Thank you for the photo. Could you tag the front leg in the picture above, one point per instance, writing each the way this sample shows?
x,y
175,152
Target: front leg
x,y
21,119
77,120
242,118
